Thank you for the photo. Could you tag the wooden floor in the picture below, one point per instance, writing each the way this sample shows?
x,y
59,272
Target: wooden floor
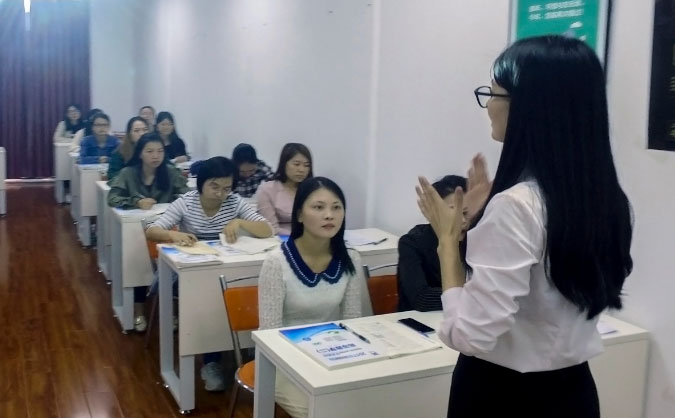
x,y
61,351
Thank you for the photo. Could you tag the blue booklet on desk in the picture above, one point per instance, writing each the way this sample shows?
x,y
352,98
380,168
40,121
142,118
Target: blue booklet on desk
x,y
332,346
356,342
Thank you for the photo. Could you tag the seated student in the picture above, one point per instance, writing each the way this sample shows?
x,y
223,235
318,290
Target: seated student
x,y
148,179
250,170
85,131
148,114
136,127
173,145
419,269
312,277
203,214
275,198
98,148
71,123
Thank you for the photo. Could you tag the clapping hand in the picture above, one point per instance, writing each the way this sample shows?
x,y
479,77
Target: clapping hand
x,y
446,220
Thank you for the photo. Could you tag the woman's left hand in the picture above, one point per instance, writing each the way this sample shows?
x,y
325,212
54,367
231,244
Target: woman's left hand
x,y
231,231
181,159
445,220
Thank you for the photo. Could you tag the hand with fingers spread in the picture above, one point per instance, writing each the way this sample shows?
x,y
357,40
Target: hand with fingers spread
x,y
479,186
446,220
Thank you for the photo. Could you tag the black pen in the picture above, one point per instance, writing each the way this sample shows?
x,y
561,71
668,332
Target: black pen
x,y
361,337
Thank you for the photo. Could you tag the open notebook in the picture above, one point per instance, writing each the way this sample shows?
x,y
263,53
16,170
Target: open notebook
x,y
340,345
249,245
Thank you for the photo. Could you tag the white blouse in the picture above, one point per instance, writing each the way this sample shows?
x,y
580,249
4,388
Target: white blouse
x,y
509,312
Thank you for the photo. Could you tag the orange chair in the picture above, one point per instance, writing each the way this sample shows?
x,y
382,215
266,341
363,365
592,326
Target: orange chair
x,y
241,305
383,290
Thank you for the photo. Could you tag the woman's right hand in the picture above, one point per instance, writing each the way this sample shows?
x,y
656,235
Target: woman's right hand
x,y
146,203
182,238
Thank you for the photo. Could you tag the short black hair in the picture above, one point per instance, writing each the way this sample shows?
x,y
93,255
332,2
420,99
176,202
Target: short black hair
x,y
244,153
448,184
214,168
146,107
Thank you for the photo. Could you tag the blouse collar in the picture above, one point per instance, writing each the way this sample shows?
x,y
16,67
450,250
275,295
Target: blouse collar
x,y
304,273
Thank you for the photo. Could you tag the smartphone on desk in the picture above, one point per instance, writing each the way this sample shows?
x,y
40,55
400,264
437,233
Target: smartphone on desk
x,y
416,325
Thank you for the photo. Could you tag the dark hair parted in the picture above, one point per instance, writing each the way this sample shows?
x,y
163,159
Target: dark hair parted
x,y
161,116
162,173
214,168
73,127
126,148
89,120
448,184
337,243
289,151
558,135
244,153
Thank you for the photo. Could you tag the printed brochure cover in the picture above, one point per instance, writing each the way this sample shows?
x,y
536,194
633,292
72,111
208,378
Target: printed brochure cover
x,y
332,346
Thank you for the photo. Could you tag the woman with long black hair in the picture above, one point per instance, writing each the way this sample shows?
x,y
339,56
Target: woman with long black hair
x,y
548,252
313,277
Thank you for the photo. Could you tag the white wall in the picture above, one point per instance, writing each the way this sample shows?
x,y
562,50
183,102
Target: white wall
x,y
112,69
265,72
382,91
432,55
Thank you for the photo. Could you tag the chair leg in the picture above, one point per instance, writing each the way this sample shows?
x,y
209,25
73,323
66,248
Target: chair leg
x,y
233,400
152,318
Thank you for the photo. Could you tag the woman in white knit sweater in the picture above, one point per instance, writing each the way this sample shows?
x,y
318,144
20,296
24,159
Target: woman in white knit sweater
x,y
312,277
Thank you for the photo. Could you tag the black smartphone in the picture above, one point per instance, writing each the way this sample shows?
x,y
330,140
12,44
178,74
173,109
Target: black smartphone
x,y
416,325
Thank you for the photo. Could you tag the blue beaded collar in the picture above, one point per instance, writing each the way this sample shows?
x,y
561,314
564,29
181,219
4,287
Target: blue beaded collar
x,y
332,273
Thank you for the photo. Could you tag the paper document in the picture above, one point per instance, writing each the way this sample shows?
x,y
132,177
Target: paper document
x,y
393,338
155,210
248,245
604,328
199,248
356,238
183,259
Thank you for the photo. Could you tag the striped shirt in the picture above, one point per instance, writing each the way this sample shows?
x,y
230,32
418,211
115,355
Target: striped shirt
x,y
187,212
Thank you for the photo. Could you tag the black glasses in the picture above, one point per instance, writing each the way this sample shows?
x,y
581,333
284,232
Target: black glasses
x,y
483,94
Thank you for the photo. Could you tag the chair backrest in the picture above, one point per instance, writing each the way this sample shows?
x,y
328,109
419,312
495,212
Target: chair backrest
x,y
383,290
241,307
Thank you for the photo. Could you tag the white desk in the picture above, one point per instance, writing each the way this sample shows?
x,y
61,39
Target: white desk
x,y
84,204
130,265
103,216
202,323
128,253
419,385
3,186
62,171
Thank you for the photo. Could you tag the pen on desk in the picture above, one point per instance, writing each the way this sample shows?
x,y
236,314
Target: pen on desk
x,y
361,337
379,241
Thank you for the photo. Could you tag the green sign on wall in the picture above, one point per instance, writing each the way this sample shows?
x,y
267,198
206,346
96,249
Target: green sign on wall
x,y
583,19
